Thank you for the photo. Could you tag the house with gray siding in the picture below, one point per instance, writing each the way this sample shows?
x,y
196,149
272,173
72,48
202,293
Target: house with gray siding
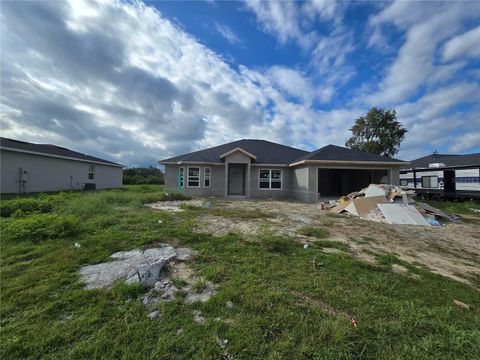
x,y
29,167
251,168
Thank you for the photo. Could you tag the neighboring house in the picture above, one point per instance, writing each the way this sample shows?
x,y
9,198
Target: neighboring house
x,y
444,174
263,169
28,167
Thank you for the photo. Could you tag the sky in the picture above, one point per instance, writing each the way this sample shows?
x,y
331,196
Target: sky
x,y
136,82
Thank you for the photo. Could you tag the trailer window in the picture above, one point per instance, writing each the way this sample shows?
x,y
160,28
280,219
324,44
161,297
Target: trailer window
x,y
403,182
429,181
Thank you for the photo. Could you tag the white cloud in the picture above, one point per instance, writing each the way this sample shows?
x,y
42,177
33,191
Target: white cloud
x,y
468,142
227,33
426,25
465,45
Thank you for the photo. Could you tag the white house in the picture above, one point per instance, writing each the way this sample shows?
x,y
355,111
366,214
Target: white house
x,y
29,167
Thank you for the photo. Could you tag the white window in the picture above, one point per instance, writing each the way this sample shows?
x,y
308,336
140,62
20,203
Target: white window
x,y
403,182
206,177
429,181
91,172
180,176
193,178
270,179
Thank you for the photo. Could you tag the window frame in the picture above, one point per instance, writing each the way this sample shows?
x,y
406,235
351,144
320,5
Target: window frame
x,y
91,171
430,182
205,177
188,177
181,175
280,180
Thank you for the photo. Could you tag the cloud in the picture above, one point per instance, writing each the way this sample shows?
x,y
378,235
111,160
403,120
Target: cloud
x,y
227,33
426,26
465,45
139,89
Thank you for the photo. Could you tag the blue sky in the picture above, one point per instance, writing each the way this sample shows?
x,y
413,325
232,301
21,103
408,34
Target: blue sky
x,y
137,82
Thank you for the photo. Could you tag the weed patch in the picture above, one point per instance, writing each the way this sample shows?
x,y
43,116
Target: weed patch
x,y
315,232
39,227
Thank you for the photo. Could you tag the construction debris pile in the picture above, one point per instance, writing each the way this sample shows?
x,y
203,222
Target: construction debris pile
x,y
387,203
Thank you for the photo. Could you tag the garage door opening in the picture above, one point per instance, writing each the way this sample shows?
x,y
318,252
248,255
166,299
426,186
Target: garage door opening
x,y
339,182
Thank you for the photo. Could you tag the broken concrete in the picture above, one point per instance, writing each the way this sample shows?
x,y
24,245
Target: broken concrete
x,y
130,266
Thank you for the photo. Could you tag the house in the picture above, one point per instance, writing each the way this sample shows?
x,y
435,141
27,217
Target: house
x,y
263,169
444,175
29,167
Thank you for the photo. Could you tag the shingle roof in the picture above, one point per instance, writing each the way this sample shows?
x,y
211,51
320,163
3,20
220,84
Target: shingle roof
x,y
447,159
272,153
266,152
49,149
338,153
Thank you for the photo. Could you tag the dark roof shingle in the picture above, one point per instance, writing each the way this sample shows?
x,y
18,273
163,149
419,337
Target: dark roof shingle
x,y
49,149
338,153
272,153
266,152
447,159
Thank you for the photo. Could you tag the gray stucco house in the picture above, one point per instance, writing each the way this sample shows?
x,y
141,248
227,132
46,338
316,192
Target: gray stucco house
x,y
29,167
263,169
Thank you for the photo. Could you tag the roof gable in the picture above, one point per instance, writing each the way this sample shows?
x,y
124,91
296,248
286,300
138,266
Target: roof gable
x,y
237,149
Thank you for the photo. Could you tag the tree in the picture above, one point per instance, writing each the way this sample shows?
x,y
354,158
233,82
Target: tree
x,y
378,132
143,175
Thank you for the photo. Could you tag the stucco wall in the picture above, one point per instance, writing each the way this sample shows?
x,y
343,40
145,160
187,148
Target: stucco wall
x,y
53,174
301,184
217,180
256,192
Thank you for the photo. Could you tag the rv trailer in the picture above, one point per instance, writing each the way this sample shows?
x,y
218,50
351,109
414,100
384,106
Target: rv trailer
x,y
439,180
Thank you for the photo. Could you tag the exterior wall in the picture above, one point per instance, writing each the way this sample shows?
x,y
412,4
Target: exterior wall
x,y
53,174
217,180
299,183
303,184
256,192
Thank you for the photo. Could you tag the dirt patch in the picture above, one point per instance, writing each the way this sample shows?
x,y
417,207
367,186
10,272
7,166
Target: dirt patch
x,y
452,250
174,206
323,306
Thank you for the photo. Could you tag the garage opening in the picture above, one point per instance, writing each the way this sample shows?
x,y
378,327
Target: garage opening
x,y
339,182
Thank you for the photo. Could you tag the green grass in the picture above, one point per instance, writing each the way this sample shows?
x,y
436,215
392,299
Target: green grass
x,y
315,232
452,207
284,307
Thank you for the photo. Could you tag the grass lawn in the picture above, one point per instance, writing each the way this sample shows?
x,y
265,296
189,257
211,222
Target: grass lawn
x,y
288,302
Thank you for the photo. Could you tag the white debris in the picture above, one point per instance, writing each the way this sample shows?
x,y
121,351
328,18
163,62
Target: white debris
x,y
154,315
305,246
197,316
77,245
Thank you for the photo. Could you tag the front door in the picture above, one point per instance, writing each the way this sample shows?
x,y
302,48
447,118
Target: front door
x,y
236,179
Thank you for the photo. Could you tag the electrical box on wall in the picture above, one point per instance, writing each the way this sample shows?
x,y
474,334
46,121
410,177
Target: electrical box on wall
x,y
23,174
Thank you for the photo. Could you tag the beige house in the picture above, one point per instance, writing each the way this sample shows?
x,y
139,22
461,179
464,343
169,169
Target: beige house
x,y
262,169
28,167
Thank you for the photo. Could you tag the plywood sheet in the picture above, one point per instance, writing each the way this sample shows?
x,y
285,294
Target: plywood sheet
x,y
364,205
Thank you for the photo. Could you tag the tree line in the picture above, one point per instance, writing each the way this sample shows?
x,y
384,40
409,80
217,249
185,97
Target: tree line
x,y
143,175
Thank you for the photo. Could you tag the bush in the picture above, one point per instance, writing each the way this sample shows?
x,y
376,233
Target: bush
x,y
25,206
39,227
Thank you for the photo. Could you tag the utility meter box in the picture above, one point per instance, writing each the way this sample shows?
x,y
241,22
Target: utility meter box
x,y
23,174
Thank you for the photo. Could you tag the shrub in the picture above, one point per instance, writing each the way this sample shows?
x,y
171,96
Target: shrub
x,y
39,227
25,206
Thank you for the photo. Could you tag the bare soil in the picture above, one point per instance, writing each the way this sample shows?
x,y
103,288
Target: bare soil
x,y
452,250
